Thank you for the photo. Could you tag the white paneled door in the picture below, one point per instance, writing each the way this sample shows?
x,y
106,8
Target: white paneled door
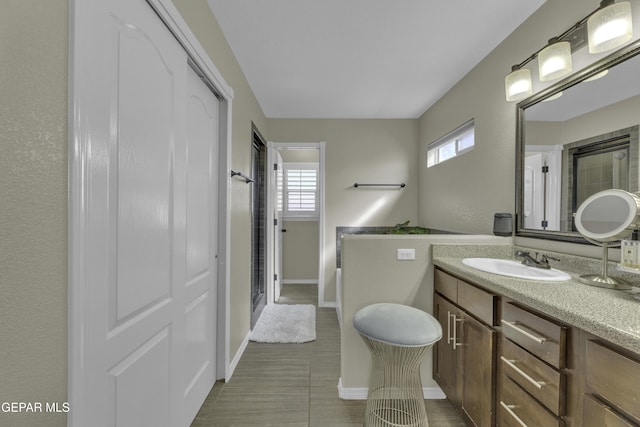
x,y
201,239
148,134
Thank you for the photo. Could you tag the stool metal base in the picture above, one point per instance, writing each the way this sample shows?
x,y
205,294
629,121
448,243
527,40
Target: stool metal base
x,y
395,389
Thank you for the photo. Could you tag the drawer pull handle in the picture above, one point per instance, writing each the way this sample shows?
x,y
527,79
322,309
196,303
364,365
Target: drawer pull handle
x,y
514,326
511,363
509,409
449,327
456,344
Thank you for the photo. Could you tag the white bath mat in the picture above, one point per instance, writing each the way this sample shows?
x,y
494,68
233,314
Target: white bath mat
x,y
286,323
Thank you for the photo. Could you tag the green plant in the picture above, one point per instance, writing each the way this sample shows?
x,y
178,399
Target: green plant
x,y
403,228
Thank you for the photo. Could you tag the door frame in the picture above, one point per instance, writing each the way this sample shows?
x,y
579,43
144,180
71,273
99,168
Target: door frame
x,y
78,158
272,148
255,312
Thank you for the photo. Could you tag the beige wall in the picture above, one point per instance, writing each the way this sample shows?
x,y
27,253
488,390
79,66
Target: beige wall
x,y
464,193
372,274
543,133
367,151
33,207
300,250
245,111
618,116
614,117
300,156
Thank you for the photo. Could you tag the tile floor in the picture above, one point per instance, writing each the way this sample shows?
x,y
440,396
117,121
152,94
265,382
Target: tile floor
x,y
296,384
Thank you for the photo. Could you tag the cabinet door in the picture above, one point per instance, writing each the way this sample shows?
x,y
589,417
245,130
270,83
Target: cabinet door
x,y
478,389
620,386
597,414
445,361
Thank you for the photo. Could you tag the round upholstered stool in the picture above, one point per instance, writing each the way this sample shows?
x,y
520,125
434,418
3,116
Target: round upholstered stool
x,y
398,337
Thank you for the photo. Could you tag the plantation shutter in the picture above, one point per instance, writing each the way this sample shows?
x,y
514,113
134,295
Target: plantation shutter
x,y
301,189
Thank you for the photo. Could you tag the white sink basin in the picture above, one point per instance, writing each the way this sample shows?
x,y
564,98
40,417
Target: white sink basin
x,y
507,267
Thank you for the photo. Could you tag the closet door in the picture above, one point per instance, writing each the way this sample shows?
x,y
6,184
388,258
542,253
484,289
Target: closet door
x,y
201,273
131,108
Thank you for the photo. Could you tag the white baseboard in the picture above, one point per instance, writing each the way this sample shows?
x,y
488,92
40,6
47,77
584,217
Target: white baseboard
x,y
238,355
360,393
299,281
327,304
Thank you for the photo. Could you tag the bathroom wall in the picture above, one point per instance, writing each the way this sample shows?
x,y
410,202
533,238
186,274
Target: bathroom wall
x,y
245,111
33,207
471,188
300,156
300,251
611,118
372,274
366,151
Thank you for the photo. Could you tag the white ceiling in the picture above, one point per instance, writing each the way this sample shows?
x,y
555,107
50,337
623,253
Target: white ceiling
x,y
361,58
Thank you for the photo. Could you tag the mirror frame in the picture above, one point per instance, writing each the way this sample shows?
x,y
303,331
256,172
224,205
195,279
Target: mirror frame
x,y
598,66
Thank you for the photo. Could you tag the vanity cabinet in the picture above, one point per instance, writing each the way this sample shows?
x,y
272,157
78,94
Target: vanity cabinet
x,y
504,363
612,386
464,359
532,363
445,359
598,414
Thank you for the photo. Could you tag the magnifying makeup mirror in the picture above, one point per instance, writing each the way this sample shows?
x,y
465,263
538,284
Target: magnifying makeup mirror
x,y
603,218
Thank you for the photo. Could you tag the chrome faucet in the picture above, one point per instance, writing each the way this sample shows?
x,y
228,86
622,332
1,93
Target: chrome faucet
x,y
532,261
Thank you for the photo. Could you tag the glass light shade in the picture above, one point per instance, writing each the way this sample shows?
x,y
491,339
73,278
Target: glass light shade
x,y
600,75
554,61
553,97
517,84
610,27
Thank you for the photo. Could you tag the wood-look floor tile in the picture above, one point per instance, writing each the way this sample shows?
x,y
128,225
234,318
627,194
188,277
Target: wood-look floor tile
x,y
296,385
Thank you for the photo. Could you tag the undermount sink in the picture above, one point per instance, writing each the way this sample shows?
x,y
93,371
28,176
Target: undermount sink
x,y
507,267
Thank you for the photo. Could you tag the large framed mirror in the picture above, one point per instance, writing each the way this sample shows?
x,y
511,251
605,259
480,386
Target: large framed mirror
x,y
574,139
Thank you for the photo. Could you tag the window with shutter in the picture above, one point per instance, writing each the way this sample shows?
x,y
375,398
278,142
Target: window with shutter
x,y
300,190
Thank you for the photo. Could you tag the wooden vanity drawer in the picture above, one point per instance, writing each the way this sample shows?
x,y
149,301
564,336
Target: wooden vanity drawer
x,y
446,285
544,338
613,376
516,408
539,379
597,414
477,302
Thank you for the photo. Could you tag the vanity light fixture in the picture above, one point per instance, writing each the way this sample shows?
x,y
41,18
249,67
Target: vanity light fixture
x,y
604,29
610,26
554,61
600,75
518,84
553,97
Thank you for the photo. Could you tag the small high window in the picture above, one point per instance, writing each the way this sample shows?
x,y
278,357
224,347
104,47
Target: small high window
x,y
456,142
